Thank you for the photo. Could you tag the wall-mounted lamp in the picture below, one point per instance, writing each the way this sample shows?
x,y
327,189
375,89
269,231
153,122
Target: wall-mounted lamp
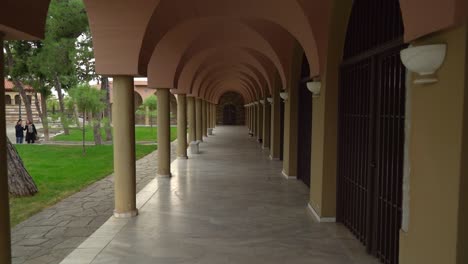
x,y
314,87
284,96
424,60
270,100
262,101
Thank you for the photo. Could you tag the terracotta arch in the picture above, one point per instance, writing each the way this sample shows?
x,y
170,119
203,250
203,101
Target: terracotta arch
x,y
218,82
260,75
211,79
181,44
254,85
250,56
208,57
289,15
281,64
126,34
209,73
249,83
229,86
233,84
30,25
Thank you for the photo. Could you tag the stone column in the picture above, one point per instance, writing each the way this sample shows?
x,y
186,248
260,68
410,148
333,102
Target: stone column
x,y
215,114
5,241
123,113
210,115
191,119
259,122
204,121
182,126
275,125
164,133
251,119
266,124
147,116
290,135
198,122
254,120
247,117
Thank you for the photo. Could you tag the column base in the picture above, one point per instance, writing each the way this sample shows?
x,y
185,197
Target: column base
x,y
318,218
130,214
164,175
271,158
210,131
194,147
287,177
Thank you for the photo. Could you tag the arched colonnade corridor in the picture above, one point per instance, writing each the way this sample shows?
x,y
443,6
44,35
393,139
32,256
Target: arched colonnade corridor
x,y
385,149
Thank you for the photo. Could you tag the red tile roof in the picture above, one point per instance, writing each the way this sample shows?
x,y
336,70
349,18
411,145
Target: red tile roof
x,y
9,86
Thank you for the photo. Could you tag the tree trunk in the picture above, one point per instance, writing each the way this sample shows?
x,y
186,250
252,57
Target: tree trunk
x,y
97,130
84,133
63,118
20,183
18,84
107,110
43,114
76,115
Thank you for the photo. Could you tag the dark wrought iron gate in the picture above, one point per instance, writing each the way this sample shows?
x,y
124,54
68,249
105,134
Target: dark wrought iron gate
x,y
282,109
371,127
304,131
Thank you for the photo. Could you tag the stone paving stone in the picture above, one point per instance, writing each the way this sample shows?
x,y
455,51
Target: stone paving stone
x,y
52,234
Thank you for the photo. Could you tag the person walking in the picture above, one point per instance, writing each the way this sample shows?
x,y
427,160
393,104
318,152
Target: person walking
x,y
31,132
19,132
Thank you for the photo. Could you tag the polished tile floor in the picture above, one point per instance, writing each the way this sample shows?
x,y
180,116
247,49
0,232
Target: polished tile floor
x,y
229,204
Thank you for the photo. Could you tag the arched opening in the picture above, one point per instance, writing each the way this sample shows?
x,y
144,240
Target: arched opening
x,y
231,109
304,130
7,99
371,127
17,100
138,100
229,114
139,112
173,109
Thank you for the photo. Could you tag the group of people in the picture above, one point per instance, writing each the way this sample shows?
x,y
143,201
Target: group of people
x,y
31,132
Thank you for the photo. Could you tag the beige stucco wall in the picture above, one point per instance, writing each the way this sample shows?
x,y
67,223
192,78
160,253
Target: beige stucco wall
x,y
436,144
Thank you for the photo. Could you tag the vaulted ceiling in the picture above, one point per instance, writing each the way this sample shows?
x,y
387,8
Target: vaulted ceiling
x,y
205,48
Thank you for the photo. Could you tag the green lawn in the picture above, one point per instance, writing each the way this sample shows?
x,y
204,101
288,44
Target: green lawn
x,y
60,171
141,134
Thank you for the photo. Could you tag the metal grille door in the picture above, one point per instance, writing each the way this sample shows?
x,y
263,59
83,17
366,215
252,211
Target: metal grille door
x,y
354,148
304,131
389,154
371,127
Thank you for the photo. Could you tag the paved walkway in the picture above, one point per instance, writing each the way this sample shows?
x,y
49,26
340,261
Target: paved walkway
x,y
49,236
229,204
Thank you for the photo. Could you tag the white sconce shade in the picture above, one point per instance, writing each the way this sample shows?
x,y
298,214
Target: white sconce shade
x,y
314,88
424,60
270,100
284,95
262,101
